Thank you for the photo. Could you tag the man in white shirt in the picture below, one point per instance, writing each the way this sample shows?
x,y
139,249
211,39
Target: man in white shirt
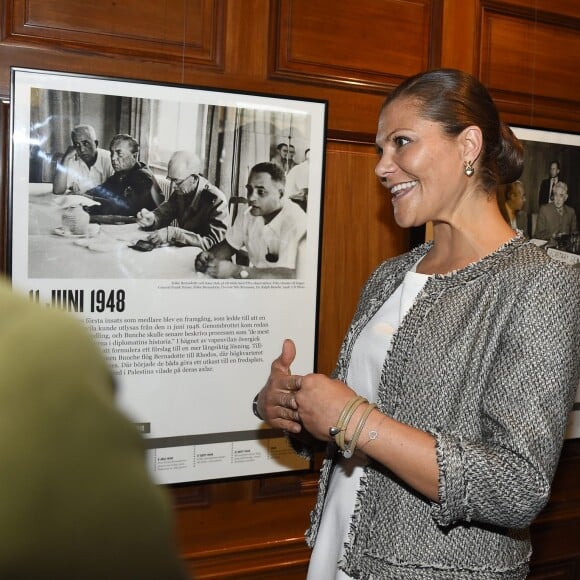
x,y
84,164
271,230
297,181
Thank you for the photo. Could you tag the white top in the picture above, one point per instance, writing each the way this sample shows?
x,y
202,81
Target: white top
x,y
364,373
271,245
79,174
298,178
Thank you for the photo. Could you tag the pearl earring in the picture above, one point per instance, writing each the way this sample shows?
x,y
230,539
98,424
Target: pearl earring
x,y
468,168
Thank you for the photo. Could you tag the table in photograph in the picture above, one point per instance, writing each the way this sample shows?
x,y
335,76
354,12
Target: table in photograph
x,y
104,253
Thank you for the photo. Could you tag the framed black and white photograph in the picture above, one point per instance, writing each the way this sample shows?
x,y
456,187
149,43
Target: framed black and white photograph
x,y
550,212
182,226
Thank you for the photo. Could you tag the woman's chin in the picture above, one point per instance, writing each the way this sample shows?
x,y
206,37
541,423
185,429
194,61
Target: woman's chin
x,y
404,220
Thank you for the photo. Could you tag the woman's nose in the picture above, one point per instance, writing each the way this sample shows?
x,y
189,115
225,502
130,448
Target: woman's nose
x,y
384,166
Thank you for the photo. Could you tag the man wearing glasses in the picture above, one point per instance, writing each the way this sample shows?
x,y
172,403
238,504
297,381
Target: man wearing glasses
x,y
199,207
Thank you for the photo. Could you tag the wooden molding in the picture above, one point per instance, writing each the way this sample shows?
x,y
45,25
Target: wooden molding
x,y
190,34
528,60
281,559
307,46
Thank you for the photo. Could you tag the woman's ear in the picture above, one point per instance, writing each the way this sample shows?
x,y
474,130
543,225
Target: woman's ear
x,y
472,142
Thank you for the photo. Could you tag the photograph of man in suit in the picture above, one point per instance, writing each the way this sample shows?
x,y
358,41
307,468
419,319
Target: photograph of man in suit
x,y
547,185
556,218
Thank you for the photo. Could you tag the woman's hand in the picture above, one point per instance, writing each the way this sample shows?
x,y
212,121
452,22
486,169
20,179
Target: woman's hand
x,y
320,401
276,402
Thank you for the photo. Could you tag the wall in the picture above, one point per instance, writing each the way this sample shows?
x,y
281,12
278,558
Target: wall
x,y
350,53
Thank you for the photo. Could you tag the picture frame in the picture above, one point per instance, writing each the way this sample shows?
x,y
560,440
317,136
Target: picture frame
x,y
189,348
555,152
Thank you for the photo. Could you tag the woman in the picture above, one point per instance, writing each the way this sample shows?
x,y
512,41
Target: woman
x,y
464,347
511,199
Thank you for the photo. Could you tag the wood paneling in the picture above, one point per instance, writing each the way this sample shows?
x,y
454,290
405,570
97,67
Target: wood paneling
x,y
556,9
529,61
249,528
459,40
556,532
358,44
349,53
190,33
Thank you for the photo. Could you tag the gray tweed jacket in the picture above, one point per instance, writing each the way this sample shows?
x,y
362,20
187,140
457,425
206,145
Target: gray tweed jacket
x,y
487,360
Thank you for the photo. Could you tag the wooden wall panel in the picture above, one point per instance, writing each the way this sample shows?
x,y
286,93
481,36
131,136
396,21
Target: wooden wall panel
x,y
459,38
247,528
556,532
190,33
359,44
555,9
529,61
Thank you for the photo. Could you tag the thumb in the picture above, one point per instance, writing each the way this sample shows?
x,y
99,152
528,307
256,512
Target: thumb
x,y
286,358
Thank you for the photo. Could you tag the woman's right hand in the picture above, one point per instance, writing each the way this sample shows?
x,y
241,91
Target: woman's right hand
x,y
276,402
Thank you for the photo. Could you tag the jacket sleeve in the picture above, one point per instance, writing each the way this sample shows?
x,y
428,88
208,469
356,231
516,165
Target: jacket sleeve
x,y
542,232
504,478
217,223
165,213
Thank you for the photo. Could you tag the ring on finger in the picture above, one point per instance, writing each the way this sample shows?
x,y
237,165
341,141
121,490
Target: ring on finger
x,y
294,383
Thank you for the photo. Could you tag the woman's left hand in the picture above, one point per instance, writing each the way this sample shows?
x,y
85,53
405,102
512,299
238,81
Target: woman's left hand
x,y
320,401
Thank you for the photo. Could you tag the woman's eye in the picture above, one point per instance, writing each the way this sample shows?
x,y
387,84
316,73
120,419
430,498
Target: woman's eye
x,y
400,141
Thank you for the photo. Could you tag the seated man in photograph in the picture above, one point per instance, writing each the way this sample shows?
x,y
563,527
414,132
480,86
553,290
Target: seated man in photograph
x,y
200,208
76,497
84,164
271,230
131,188
556,218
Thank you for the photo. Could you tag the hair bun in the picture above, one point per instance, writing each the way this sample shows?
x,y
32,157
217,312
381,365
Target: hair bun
x,y
510,157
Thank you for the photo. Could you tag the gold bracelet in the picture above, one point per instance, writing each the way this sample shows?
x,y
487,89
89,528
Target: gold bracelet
x,y
340,438
340,424
349,449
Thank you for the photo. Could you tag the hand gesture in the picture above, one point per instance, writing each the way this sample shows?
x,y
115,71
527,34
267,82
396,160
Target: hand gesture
x,y
203,260
222,269
276,403
320,401
162,236
69,154
145,218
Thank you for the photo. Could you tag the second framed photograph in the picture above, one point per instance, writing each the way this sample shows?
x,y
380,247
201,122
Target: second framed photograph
x,y
546,204
182,226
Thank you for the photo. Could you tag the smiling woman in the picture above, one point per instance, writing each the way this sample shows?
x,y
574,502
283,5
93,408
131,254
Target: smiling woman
x,y
437,414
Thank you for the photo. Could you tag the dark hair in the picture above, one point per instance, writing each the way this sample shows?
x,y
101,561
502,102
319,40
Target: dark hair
x,y
273,170
456,100
280,145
